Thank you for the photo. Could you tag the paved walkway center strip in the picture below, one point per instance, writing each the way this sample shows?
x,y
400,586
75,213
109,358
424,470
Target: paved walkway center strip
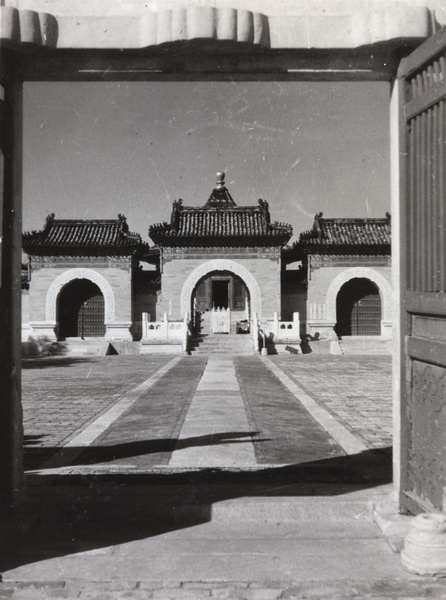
x,y
86,437
217,421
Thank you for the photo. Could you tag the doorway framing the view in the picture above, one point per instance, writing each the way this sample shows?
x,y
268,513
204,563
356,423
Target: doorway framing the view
x,y
210,50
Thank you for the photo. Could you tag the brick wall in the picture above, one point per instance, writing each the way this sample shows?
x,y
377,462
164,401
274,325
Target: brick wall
x,y
330,274
264,267
116,272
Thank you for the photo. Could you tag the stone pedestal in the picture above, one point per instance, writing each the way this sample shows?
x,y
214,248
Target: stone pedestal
x,y
43,330
425,546
118,331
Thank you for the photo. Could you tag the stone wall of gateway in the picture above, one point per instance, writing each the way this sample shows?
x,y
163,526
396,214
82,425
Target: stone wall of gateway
x,y
326,276
50,275
259,268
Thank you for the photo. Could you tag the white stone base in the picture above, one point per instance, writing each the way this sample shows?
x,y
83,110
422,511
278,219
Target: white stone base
x,y
27,332
160,348
322,330
118,331
43,330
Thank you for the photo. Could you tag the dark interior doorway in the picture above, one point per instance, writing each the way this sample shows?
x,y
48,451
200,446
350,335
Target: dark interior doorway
x,y
220,293
81,310
220,290
358,309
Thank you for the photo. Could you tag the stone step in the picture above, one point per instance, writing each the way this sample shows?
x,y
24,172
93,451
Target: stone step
x,y
224,344
325,589
246,506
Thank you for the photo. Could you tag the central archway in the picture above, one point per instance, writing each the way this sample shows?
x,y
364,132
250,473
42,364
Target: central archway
x,y
221,265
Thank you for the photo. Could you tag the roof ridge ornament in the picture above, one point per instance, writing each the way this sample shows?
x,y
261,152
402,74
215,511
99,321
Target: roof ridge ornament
x,y
220,196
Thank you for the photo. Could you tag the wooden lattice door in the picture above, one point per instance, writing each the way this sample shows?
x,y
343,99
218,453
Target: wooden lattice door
x,y
422,92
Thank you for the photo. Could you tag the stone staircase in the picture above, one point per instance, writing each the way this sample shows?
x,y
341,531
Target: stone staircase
x,y
232,344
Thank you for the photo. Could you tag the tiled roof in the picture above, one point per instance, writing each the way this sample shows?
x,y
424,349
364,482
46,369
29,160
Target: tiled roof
x,y
66,237
342,235
347,232
218,225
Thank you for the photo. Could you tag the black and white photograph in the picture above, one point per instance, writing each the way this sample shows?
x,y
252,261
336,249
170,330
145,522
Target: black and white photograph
x,y
223,299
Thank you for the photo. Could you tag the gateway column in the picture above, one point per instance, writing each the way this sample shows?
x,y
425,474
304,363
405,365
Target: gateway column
x,y
11,428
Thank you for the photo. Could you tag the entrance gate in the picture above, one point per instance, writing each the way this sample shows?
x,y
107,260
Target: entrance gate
x,y
422,78
221,290
357,47
81,310
358,309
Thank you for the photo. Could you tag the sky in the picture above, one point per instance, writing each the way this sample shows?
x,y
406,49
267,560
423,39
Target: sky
x,y
93,150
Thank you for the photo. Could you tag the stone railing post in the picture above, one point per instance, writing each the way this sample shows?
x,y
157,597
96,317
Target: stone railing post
x,y
186,332
145,321
296,323
255,331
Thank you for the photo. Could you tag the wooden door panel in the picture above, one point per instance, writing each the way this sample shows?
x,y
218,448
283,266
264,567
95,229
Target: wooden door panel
x,y
91,317
422,86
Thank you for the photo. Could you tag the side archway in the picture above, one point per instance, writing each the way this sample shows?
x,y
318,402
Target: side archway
x,y
70,275
384,288
221,265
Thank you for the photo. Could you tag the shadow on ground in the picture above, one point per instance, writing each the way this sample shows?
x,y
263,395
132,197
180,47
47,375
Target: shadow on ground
x,y
54,361
65,514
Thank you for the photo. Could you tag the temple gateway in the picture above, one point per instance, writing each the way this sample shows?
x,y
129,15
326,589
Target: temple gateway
x,y
217,276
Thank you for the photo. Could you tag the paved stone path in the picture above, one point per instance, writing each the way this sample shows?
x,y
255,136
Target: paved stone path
x,y
294,521
217,420
285,431
62,396
195,411
356,390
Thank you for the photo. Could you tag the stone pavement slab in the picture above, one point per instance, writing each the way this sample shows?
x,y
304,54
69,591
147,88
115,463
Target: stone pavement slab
x,y
286,432
217,413
356,390
295,524
145,435
61,396
300,547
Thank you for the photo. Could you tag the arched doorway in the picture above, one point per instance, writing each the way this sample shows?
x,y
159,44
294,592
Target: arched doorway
x,y
220,290
81,310
358,308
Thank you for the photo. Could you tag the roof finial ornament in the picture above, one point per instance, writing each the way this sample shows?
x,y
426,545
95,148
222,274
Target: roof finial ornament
x,y
220,180
220,197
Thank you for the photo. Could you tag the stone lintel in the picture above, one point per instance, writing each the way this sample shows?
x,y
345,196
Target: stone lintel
x,y
137,25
